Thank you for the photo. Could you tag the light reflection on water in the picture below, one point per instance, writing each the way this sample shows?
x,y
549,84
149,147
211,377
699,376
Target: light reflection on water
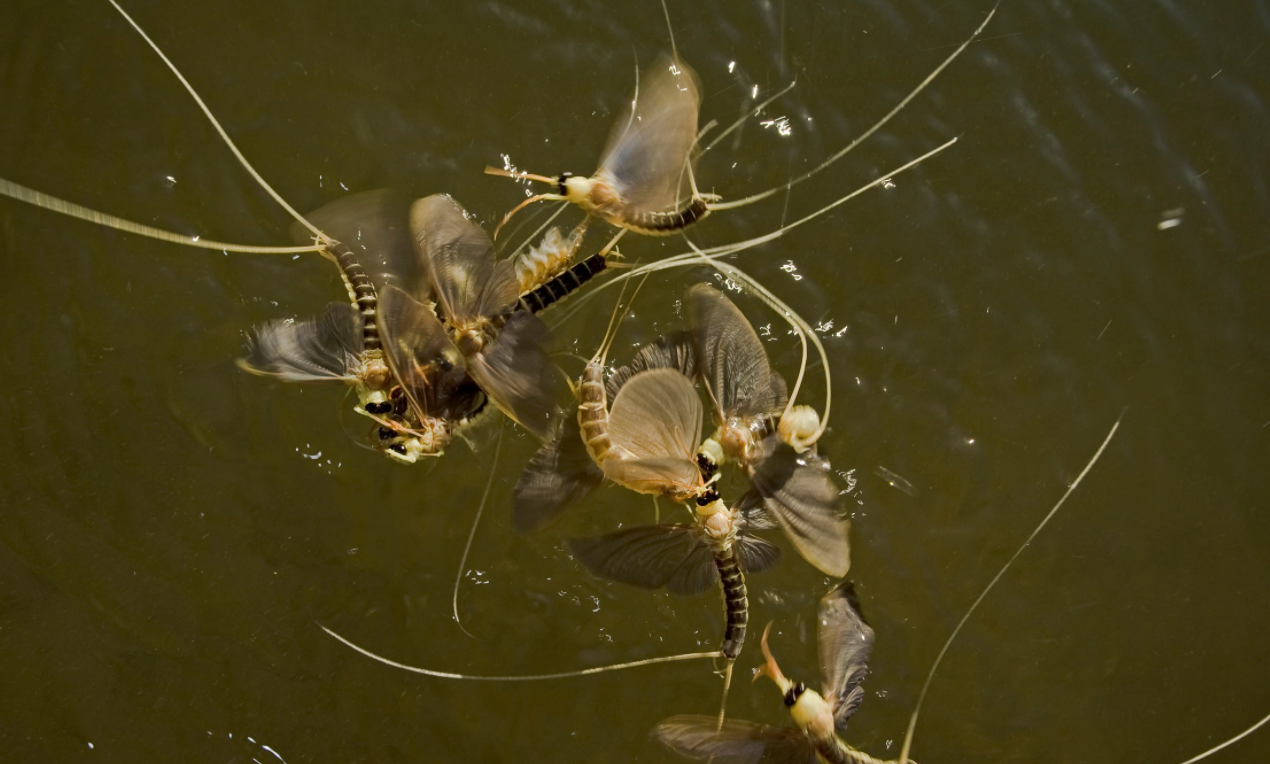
x,y
171,543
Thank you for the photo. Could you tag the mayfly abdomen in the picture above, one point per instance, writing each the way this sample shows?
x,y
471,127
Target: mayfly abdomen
x,y
361,290
593,415
735,603
667,223
563,285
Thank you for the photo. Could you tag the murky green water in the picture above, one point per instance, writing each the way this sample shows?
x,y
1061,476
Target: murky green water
x,y
173,530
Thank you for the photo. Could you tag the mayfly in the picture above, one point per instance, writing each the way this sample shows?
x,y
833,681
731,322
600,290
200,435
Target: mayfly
x,y
845,644
382,344
644,182
790,486
746,397
477,295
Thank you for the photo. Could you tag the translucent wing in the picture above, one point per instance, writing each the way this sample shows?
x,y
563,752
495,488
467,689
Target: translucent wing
x,y
673,476
737,742
846,642
469,280
731,358
419,352
314,350
799,495
651,142
756,555
516,373
670,351
375,225
673,556
559,475
656,414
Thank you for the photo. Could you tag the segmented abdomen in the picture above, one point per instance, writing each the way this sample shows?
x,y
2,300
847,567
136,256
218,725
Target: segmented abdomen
x,y
593,414
563,285
666,223
735,605
361,290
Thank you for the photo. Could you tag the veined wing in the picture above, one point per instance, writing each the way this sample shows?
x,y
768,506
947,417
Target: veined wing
x,y
656,417
731,357
846,642
799,495
673,476
737,742
559,475
656,414
321,349
669,351
375,225
650,145
755,554
673,556
516,372
469,280
419,352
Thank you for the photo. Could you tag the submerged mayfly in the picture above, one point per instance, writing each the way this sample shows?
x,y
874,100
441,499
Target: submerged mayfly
x,y
846,642
644,182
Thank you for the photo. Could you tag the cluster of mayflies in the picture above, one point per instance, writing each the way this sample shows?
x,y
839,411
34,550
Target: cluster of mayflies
x,y
439,332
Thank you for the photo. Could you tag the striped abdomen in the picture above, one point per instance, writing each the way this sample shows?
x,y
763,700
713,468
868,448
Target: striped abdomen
x,y
736,607
666,223
562,285
593,413
360,290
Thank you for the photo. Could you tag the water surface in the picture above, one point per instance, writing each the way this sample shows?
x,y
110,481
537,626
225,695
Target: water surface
x,y
1093,247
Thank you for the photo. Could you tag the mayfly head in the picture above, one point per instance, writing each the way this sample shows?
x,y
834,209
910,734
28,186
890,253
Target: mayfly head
x,y
798,426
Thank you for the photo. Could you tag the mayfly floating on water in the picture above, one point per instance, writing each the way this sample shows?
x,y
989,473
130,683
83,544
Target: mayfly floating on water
x,y
845,644
790,487
644,182
477,295
763,433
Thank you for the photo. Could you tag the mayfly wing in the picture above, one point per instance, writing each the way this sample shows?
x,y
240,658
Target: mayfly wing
x,y
375,225
673,556
517,374
470,281
327,348
731,357
419,352
799,495
650,146
756,555
559,475
670,351
846,642
736,742
671,475
656,417
656,413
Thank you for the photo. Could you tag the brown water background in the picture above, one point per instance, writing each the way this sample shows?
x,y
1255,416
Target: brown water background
x,y
173,530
